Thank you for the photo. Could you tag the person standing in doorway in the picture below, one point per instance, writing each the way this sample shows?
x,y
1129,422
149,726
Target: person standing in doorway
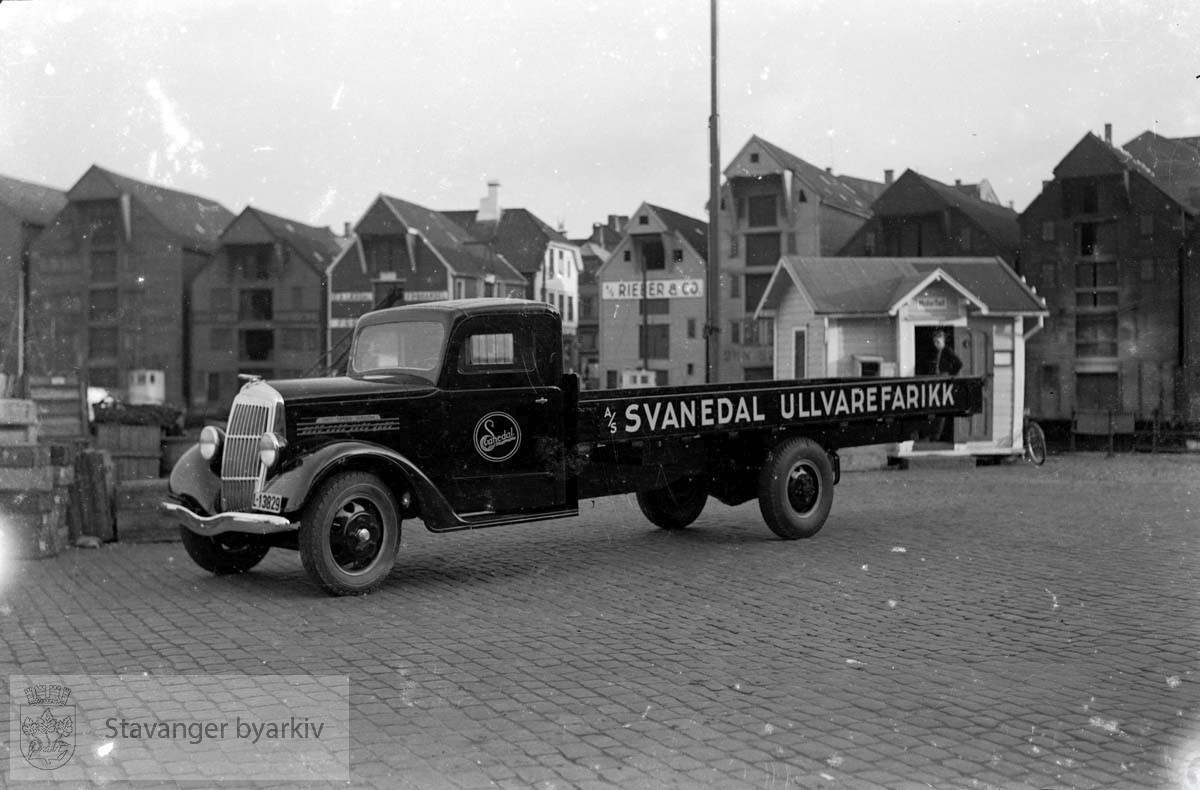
x,y
945,363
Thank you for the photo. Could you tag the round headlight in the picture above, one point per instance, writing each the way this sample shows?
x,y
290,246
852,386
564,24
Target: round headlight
x,y
210,442
268,448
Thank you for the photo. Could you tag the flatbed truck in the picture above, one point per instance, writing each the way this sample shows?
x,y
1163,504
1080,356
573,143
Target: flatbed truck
x,y
458,413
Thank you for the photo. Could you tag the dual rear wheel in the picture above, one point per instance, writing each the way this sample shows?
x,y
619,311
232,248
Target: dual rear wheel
x,y
795,493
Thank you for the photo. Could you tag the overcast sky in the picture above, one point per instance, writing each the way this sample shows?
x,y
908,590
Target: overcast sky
x,y
580,109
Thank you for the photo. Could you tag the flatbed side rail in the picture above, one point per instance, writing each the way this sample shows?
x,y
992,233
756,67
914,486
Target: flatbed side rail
x,y
639,414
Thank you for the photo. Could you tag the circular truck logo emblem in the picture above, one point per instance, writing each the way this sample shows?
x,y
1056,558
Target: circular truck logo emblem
x,y
497,436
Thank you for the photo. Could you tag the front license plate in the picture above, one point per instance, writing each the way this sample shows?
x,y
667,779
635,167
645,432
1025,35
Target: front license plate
x,y
272,503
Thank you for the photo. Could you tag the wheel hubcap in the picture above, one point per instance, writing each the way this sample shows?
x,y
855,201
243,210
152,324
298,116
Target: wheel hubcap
x,y
356,536
803,488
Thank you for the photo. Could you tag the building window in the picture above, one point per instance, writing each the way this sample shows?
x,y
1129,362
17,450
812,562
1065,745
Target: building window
x,y
654,341
212,389
628,254
570,308
220,339
460,289
735,286
762,249
654,306
691,328
587,340
791,243
256,305
1096,334
1047,231
799,354
758,332
733,245
587,307
691,369
256,345
754,158
1096,284
102,343
1087,238
220,299
104,267
101,219
762,211
1090,202
735,332
643,220
385,254
610,379
758,373
653,255
756,284
1097,391
677,256
869,367
103,304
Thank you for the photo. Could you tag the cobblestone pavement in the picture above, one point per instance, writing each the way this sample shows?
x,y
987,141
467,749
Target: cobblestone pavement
x,y
999,627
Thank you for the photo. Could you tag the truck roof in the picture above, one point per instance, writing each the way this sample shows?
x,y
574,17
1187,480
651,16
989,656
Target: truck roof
x,y
450,309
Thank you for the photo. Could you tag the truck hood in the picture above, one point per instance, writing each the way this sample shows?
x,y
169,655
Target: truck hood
x,y
295,391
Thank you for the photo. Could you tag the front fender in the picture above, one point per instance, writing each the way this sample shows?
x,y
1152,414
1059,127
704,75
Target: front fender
x,y
297,484
193,478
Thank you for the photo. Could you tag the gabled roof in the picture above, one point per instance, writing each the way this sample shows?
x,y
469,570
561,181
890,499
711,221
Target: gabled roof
x,y
876,286
32,203
199,221
691,230
457,247
519,235
318,246
1174,162
832,190
998,222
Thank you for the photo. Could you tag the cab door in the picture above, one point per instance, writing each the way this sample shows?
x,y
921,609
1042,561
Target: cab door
x,y
505,417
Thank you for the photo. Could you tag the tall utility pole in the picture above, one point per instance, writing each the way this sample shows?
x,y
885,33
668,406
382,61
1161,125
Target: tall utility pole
x,y
712,284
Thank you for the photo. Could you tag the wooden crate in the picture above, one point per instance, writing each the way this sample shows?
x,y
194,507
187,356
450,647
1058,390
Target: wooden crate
x,y
136,450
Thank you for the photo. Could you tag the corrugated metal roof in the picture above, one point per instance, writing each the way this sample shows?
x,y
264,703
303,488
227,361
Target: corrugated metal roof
x,y
33,203
874,285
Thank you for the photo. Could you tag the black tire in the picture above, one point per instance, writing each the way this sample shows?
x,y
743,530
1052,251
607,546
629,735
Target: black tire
x,y
350,533
1035,444
795,488
229,552
676,505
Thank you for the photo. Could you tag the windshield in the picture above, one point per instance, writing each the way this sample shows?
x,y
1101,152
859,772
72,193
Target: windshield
x,y
413,347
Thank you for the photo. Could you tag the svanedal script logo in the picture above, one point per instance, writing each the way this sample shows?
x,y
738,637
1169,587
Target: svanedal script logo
x,y
497,436
47,727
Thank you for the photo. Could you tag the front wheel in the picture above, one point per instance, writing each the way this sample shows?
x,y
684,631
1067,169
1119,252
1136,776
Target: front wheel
x,y
795,488
674,506
229,552
350,533
1035,444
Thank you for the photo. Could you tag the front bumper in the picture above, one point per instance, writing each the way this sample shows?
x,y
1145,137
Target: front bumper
x,y
234,521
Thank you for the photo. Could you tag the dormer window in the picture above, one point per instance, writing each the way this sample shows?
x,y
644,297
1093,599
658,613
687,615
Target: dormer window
x,y
754,158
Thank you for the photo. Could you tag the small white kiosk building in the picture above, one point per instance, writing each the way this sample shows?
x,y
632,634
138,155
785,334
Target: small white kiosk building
x,y
877,317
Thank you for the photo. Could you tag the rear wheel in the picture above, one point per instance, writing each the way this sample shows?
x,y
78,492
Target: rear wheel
x,y
229,552
350,533
795,488
1035,444
676,505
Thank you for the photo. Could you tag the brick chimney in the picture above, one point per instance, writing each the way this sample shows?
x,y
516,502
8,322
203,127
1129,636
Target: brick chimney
x,y
1108,133
889,176
489,207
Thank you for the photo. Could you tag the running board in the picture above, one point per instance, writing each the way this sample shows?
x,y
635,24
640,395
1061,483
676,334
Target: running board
x,y
481,520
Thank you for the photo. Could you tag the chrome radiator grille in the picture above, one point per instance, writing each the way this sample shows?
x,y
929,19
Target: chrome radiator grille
x,y
241,470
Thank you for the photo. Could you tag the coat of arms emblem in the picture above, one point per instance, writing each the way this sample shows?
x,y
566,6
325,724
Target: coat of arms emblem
x,y
47,727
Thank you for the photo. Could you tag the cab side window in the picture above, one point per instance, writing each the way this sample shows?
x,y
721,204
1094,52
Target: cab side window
x,y
493,352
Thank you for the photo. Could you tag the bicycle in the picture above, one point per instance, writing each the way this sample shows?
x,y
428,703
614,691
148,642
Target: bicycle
x,y
1035,442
